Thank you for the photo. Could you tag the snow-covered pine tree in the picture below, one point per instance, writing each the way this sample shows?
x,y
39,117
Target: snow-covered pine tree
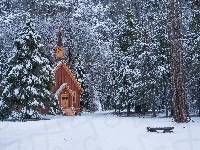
x,y
29,77
192,45
113,78
3,66
2,62
81,77
127,46
162,64
147,77
195,34
160,49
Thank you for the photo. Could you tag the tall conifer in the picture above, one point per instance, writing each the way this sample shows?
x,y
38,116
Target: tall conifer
x,y
178,83
29,77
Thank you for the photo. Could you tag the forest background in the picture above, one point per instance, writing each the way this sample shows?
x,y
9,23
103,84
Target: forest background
x,y
118,49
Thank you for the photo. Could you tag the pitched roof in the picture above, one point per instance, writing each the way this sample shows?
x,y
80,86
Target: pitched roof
x,y
63,86
62,63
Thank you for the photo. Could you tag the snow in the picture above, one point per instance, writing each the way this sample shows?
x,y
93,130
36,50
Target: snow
x,y
60,88
38,59
32,89
100,131
198,39
34,103
161,68
1,102
16,91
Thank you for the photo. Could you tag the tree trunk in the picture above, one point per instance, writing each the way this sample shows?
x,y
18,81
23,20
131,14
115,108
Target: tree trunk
x,y
115,107
143,109
166,101
128,109
153,101
180,106
153,108
166,108
198,103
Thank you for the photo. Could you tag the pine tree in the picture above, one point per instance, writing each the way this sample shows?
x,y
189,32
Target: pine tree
x,y
195,36
113,78
148,73
3,66
29,77
81,77
178,83
160,48
127,46
130,32
162,63
193,55
2,62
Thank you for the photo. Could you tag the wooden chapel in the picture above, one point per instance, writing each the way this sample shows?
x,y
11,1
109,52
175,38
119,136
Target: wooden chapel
x,y
67,88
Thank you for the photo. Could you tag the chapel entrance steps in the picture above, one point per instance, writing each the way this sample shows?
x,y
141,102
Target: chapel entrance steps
x,y
68,112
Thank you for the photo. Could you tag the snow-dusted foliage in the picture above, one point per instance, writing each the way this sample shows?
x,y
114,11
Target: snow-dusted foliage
x,y
153,58
79,72
140,62
95,29
123,64
29,77
191,44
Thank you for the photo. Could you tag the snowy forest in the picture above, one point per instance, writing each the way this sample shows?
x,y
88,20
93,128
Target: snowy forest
x,y
119,50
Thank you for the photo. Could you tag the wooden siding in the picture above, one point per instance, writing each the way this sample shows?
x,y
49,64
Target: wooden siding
x,y
62,76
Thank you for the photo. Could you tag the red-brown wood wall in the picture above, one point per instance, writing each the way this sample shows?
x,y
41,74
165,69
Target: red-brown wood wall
x,y
62,76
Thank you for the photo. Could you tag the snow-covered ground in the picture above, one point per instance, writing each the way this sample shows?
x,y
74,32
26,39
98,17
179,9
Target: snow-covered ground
x,y
98,131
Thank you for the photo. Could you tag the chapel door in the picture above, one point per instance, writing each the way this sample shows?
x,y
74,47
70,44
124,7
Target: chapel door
x,y
65,100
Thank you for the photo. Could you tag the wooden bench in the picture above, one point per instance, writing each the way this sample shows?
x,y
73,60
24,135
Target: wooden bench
x,y
165,129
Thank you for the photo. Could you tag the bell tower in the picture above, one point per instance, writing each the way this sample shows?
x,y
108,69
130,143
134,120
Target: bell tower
x,y
58,50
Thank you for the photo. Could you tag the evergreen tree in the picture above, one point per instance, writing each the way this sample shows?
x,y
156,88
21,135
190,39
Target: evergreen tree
x,y
81,77
148,73
160,48
29,77
151,55
162,65
178,80
113,78
2,62
3,66
127,47
193,55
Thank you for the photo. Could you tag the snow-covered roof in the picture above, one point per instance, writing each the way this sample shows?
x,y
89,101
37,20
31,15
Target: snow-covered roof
x,y
57,64
64,85
62,63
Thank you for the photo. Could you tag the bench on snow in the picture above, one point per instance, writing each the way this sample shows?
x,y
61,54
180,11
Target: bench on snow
x,y
165,129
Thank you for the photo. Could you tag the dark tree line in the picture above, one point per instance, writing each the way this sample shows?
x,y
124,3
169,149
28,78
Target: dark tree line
x,y
125,53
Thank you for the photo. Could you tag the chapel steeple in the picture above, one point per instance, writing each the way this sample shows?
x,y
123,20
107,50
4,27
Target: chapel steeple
x,y
58,50
59,37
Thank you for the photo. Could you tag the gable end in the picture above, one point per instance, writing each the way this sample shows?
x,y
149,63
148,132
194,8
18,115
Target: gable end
x,y
62,63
